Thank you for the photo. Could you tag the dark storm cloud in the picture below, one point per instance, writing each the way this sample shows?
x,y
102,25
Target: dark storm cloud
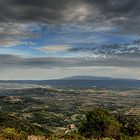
x,y
120,13
117,6
31,10
12,61
124,14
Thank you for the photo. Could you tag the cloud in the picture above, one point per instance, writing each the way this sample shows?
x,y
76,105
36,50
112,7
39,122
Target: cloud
x,y
19,67
12,61
10,43
122,14
14,33
128,50
83,24
56,73
17,30
77,12
55,48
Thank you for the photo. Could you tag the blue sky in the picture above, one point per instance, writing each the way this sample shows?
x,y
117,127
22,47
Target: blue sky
x,y
69,36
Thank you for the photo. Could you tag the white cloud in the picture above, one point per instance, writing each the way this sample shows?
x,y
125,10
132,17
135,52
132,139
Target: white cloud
x,y
55,48
14,34
10,43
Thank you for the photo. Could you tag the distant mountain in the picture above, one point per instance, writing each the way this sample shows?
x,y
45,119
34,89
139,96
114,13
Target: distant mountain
x,y
86,78
75,82
92,81
92,78
114,83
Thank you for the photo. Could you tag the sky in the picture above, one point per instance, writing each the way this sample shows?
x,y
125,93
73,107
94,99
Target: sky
x,y
51,39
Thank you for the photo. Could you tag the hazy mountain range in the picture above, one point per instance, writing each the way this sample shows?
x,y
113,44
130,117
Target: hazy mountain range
x,y
93,78
75,82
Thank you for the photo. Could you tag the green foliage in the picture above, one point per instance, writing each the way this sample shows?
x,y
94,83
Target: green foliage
x,y
124,137
7,121
107,139
131,126
70,136
99,123
73,136
12,134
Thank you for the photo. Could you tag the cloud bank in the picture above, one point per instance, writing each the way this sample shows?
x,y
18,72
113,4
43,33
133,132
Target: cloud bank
x,y
123,14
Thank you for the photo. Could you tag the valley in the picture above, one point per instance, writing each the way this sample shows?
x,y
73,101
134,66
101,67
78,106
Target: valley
x,y
56,108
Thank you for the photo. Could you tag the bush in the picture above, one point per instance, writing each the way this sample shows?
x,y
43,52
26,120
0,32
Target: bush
x,y
73,136
99,123
129,138
131,126
12,134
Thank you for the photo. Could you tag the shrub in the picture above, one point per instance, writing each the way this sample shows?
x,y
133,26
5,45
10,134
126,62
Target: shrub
x,y
131,126
99,123
12,134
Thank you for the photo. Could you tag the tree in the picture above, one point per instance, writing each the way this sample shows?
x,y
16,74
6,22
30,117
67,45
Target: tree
x,y
99,123
131,126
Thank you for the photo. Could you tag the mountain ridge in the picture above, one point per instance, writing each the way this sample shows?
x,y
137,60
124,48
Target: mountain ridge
x,y
94,78
76,82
